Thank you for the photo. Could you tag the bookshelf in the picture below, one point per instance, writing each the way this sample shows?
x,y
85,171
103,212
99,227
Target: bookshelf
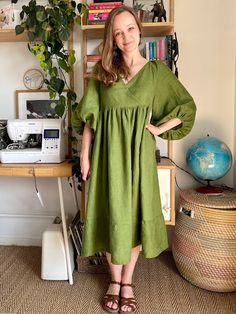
x,y
166,169
156,29
149,29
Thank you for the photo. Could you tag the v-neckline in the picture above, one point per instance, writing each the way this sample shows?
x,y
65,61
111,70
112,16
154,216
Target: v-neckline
x,y
135,76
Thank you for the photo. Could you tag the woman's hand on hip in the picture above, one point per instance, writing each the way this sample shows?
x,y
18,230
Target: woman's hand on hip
x,y
153,129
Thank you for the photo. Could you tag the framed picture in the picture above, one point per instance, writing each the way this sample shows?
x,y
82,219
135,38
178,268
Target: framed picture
x,y
32,104
9,15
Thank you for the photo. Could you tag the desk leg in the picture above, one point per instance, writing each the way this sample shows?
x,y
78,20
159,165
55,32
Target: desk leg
x,y
65,234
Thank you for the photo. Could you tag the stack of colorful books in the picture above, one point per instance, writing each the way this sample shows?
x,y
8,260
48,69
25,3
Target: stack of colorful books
x,y
98,12
160,50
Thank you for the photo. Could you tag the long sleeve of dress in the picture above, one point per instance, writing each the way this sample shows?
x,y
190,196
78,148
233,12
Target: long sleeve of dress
x,y
88,108
172,101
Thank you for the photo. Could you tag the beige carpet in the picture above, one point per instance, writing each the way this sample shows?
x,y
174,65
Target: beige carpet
x,y
159,288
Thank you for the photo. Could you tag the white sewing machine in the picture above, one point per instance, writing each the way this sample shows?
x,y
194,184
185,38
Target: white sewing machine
x,y
50,145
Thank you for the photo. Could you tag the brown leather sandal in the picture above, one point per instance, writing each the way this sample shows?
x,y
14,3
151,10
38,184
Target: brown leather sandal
x,y
130,302
114,298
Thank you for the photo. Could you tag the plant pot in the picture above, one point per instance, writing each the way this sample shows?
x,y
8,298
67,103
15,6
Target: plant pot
x,y
140,14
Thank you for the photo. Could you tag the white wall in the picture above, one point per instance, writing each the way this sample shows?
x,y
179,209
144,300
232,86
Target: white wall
x,y
206,33
22,218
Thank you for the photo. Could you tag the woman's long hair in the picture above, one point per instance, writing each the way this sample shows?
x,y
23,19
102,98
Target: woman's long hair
x,y
112,65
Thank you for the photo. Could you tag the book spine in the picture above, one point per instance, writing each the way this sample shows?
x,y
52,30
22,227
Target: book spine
x,y
147,51
162,49
96,22
169,54
75,240
106,5
154,50
100,11
98,17
158,50
150,50
93,58
106,1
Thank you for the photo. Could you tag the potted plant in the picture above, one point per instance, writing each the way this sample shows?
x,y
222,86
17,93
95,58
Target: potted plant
x,y
138,7
49,28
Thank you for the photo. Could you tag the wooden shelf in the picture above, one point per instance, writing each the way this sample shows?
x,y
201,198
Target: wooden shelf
x,y
165,163
9,35
158,29
149,30
63,169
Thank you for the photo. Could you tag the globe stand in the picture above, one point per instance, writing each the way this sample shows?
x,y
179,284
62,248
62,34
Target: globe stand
x,y
209,189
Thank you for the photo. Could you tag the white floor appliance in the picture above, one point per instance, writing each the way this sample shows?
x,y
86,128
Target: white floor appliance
x,y
53,264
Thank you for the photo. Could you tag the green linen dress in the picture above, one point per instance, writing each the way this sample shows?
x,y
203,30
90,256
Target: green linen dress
x,y
124,208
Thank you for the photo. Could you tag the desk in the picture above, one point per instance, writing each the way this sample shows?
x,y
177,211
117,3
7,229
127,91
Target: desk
x,y
58,171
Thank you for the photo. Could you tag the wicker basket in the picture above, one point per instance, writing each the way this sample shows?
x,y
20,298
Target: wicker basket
x,y
204,240
93,265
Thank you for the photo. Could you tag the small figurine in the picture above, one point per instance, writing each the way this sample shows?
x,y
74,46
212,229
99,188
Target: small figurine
x,y
158,11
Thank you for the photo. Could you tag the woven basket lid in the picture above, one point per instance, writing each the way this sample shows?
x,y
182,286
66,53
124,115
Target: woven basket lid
x,y
225,200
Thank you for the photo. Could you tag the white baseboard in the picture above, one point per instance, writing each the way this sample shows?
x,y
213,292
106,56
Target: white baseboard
x,y
24,230
9,240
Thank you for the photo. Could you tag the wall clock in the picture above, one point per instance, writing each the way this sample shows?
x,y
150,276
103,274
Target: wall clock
x,y
33,79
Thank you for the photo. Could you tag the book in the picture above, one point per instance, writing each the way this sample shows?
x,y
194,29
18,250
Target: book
x,y
93,58
154,46
147,51
162,49
150,50
99,11
106,1
96,22
98,16
76,231
107,5
169,51
74,239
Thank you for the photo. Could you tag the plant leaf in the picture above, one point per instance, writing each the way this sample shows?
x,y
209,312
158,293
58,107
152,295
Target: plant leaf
x,y
71,95
59,109
62,100
63,64
64,34
19,29
41,15
40,57
57,84
71,58
31,36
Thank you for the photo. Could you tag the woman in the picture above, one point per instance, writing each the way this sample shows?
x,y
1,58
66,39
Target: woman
x,y
124,210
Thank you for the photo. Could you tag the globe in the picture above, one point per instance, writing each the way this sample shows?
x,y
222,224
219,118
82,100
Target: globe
x,y
209,158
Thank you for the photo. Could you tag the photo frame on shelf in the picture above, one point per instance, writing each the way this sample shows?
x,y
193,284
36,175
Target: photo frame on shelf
x,y
35,104
9,16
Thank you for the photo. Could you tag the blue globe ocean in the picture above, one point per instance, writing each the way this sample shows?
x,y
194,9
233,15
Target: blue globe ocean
x,y
209,158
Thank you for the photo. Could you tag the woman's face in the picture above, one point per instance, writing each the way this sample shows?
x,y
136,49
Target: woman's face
x,y
126,33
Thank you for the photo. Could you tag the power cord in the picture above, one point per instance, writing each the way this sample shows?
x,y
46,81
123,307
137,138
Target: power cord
x,y
36,188
222,186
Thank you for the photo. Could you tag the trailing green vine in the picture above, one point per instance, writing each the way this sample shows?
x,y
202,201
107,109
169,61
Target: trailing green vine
x,y
49,28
